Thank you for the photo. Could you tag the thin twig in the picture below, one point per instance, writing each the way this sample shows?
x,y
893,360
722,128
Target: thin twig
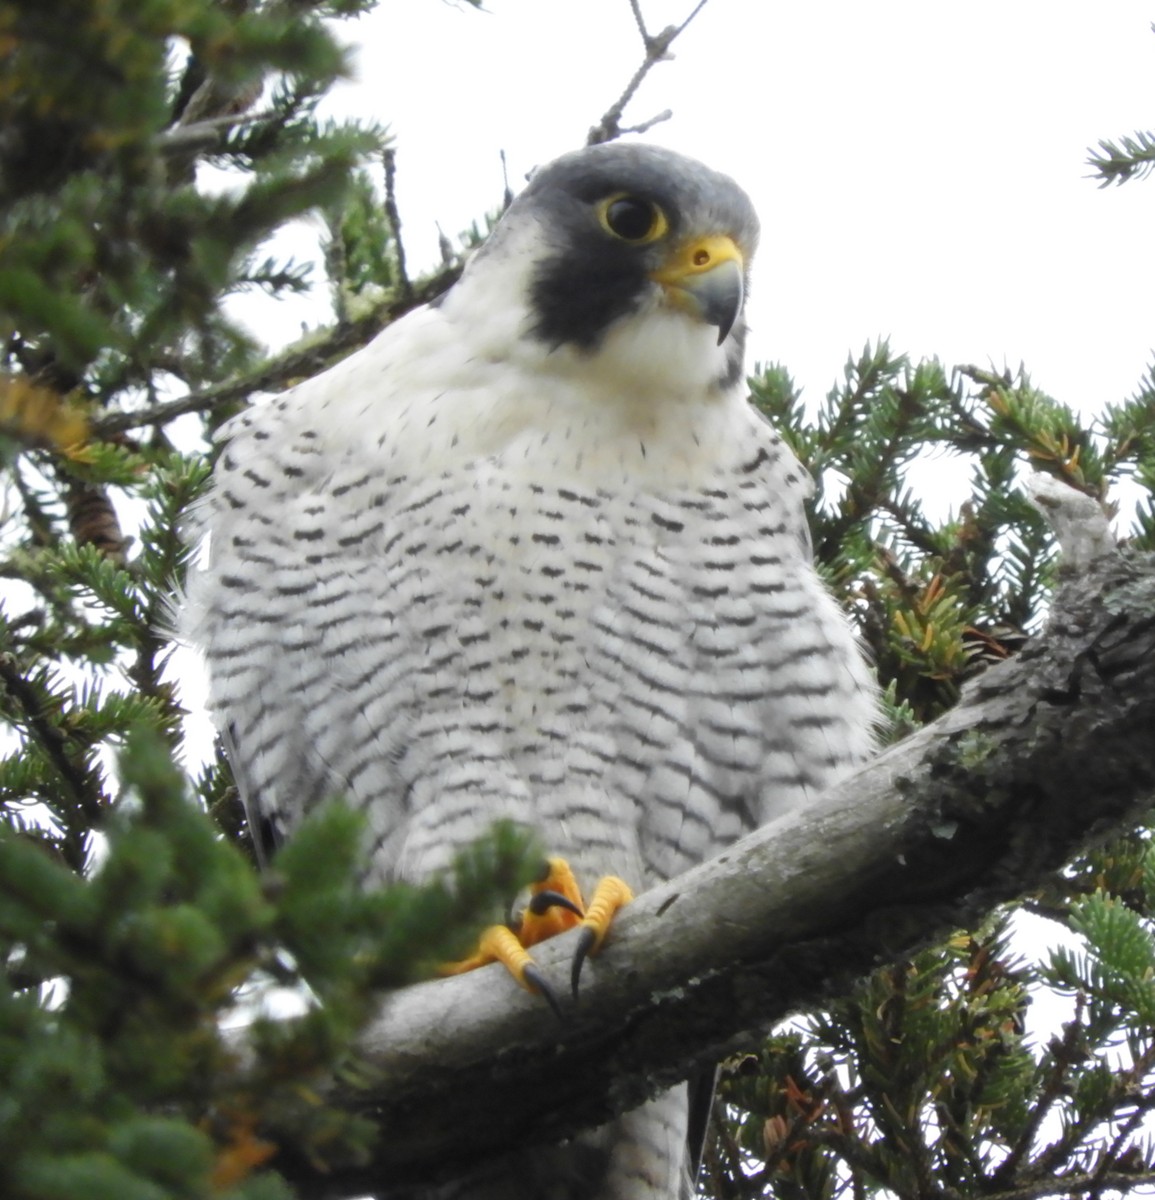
x,y
640,21
844,1112
337,267
646,126
1121,1142
657,48
181,138
393,216
506,190
297,362
1065,1052
65,757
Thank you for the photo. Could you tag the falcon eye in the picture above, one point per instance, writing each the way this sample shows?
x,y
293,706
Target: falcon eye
x,y
632,219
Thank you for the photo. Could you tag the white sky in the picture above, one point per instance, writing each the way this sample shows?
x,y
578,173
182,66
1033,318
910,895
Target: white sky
x,y
919,167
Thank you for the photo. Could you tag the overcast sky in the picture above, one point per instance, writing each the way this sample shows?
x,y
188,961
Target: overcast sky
x,y
919,167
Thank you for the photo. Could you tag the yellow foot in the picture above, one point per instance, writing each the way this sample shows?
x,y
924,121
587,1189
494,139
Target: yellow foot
x,y
555,906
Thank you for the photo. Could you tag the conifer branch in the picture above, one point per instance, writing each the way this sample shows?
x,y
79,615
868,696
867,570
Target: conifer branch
x,y
393,216
299,361
1129,158
204,134
1065,1051
77,776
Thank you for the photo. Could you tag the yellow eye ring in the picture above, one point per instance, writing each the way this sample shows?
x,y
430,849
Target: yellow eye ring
x,y
632,219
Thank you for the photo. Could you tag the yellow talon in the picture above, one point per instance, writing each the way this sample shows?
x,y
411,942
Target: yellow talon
x,y
609,895
498,943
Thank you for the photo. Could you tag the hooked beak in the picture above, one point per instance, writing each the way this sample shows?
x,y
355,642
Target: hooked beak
x,y
705,278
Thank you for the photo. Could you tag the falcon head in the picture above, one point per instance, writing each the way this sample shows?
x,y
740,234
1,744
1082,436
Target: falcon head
x,y
628,258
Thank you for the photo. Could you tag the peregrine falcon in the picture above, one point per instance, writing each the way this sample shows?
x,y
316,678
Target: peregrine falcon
x,y
531,554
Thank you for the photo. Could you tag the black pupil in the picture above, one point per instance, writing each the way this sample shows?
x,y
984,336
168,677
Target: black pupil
x,y
630,218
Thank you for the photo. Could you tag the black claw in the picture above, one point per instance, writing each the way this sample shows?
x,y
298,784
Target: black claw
x,y
542,902
586,942
536,979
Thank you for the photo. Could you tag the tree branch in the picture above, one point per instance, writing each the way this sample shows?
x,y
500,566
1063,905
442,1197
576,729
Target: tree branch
x,y
79,778
393,216
1045,753
657,49
299,361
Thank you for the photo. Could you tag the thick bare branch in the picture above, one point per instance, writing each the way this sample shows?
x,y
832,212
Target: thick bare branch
x,y
1045,753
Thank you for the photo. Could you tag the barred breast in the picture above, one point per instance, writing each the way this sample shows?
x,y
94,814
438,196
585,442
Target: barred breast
x,y
641,673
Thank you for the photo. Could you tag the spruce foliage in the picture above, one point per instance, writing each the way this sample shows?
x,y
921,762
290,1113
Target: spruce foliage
x,y
147,152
